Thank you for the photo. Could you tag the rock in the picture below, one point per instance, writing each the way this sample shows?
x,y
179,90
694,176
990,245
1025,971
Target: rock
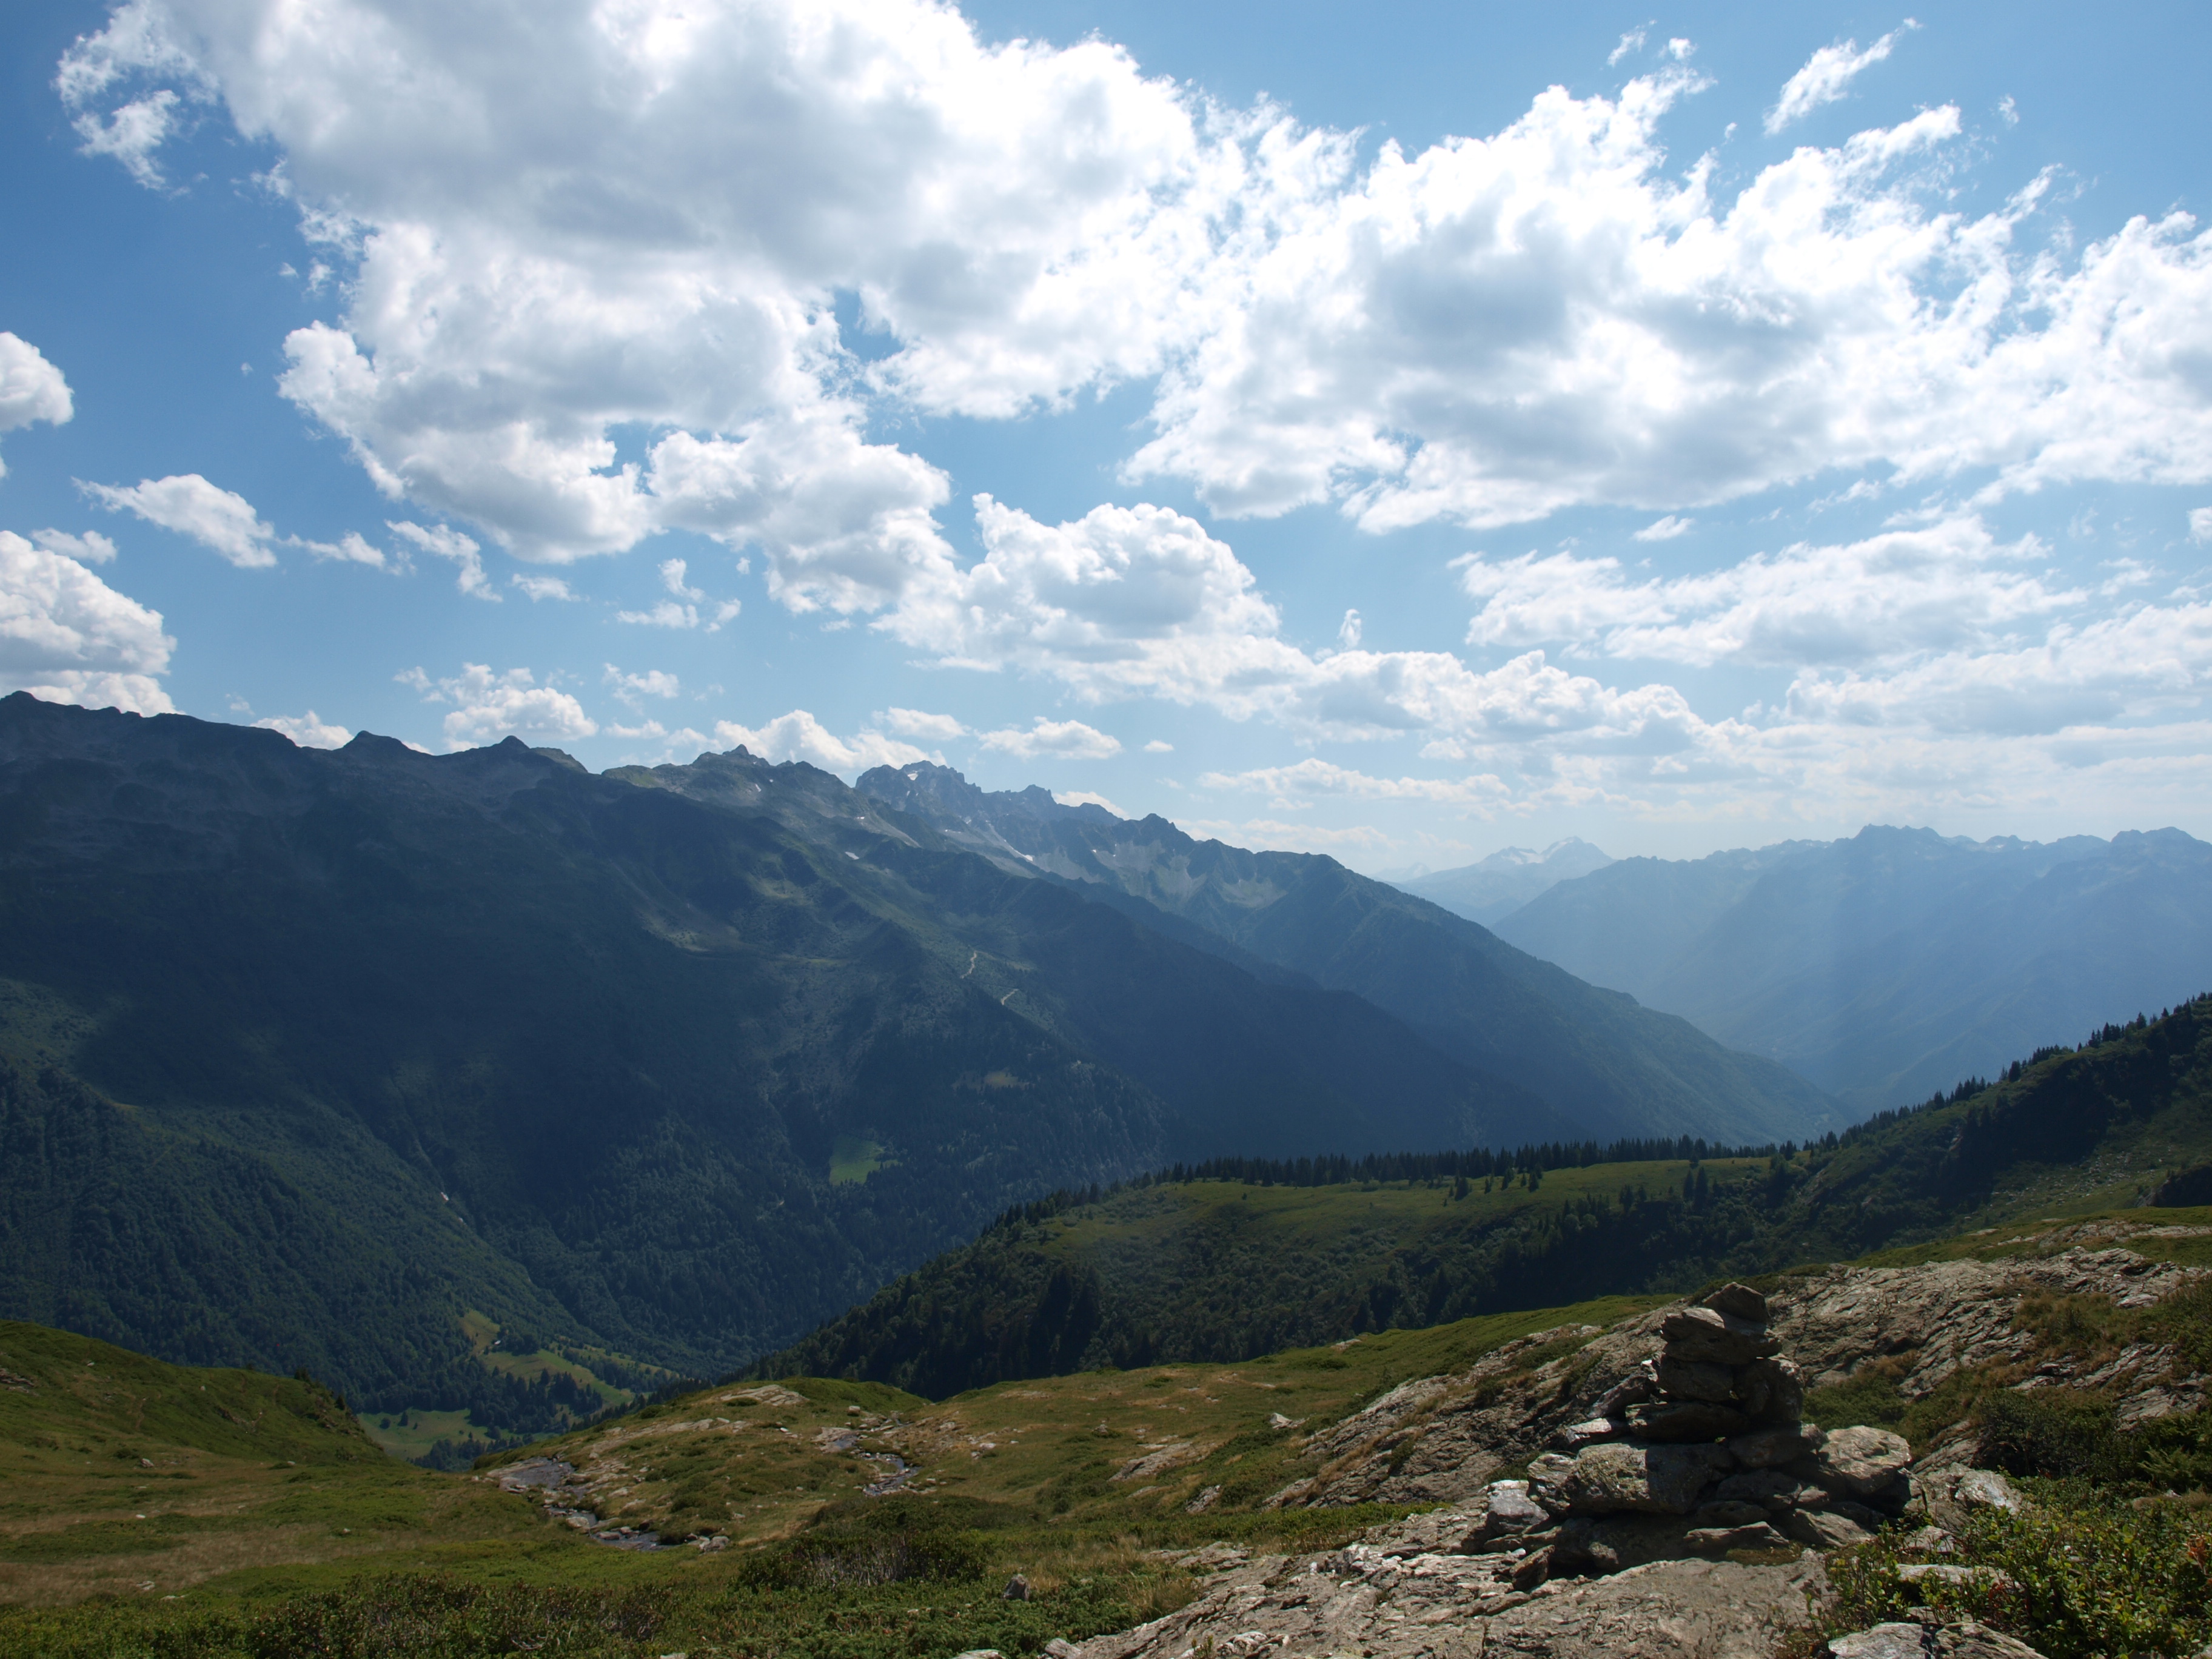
x,y
1533,1570
1623,1475
1969,1640
1638,1386
1203,1502
1017,1589
1770,1489
1986,1489
980,1653
1882,1642
1276,1420
1549,1476
1575,1435
1770,1391
1769,1448
1738,1302
1727,1512
1947,1494
1719,1540
1686,1420
1700,1334
1862,1462
1509,1512
1823,1530
710,1541
1685,1379
1060,1648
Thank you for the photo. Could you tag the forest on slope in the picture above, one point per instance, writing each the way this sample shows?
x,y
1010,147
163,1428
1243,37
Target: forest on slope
x,y
1253,1256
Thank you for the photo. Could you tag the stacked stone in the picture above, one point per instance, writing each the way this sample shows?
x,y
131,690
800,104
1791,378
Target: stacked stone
x,y
1702,1451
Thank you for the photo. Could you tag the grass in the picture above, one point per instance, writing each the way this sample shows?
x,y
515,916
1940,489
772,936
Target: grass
x,y
853,1160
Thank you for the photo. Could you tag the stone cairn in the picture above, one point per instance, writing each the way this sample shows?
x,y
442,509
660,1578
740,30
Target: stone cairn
x,y
1702,1451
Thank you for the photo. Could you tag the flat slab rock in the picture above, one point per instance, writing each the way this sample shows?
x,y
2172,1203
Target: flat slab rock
x,y
1962,1641
1361,1601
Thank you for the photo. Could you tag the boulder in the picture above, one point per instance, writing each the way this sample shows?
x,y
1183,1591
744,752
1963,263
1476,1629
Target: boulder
x,y
1508,1512
1687,1379
1864,1463
1948,1494
1704,1334
1687,1420
1623,1474
1738,1302
1719,1511
1549,1476
1575,1435
1771,1390
1823,1530
1639,1385
1963,1640
1769,1449
1770,1489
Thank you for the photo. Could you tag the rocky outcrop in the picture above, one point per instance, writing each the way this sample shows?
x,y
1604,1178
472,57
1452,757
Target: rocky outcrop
x,y
1443,1440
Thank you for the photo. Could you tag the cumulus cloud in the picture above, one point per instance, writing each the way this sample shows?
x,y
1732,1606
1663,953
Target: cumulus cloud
x,y
798,736
31,388
188,504
1890,597
90,548
683,610
444,542
67,636
633,689
309,730
542,587
1059,739
642,216
1826,76
2200,523
486,707
1665,530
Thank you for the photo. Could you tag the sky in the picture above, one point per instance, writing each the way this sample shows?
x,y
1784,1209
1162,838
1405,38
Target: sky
x,y
1400,433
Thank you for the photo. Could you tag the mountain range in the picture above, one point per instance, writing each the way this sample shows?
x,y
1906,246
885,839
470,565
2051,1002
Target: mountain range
x,y
339,1059
1501,884
1891,965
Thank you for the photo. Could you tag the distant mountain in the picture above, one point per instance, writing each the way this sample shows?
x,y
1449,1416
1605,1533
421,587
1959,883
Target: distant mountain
x,y
1894,963
1503,882
348,1060
1612,1067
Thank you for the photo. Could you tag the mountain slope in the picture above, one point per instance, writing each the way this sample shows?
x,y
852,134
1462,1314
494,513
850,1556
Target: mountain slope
x,y
1598,1058
1221,1270
343,1059
1890,964
1501,884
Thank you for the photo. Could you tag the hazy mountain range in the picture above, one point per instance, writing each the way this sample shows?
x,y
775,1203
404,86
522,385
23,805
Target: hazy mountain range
x,y
1894,963
1503,882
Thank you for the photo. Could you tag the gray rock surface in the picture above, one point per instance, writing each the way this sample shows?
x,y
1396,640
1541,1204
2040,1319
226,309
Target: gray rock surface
x,y
1360,1601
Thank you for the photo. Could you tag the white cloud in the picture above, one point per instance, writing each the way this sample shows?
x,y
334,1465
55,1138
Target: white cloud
x,y
1311,779
917,723
138,45
1826,76
488,707
309,731
1886,598
1060,739
1664,530
1159,746
31,388
683,610
1630,42
190,505
352,548
90,548
798,736
444,542
633,688
67,636
542,587
1348,630
2200,523
1084,798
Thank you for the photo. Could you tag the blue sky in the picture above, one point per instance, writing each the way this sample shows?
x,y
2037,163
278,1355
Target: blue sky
x,y
1400,432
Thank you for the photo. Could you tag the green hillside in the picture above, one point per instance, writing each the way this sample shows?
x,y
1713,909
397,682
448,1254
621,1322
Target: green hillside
x,y
1219,1271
